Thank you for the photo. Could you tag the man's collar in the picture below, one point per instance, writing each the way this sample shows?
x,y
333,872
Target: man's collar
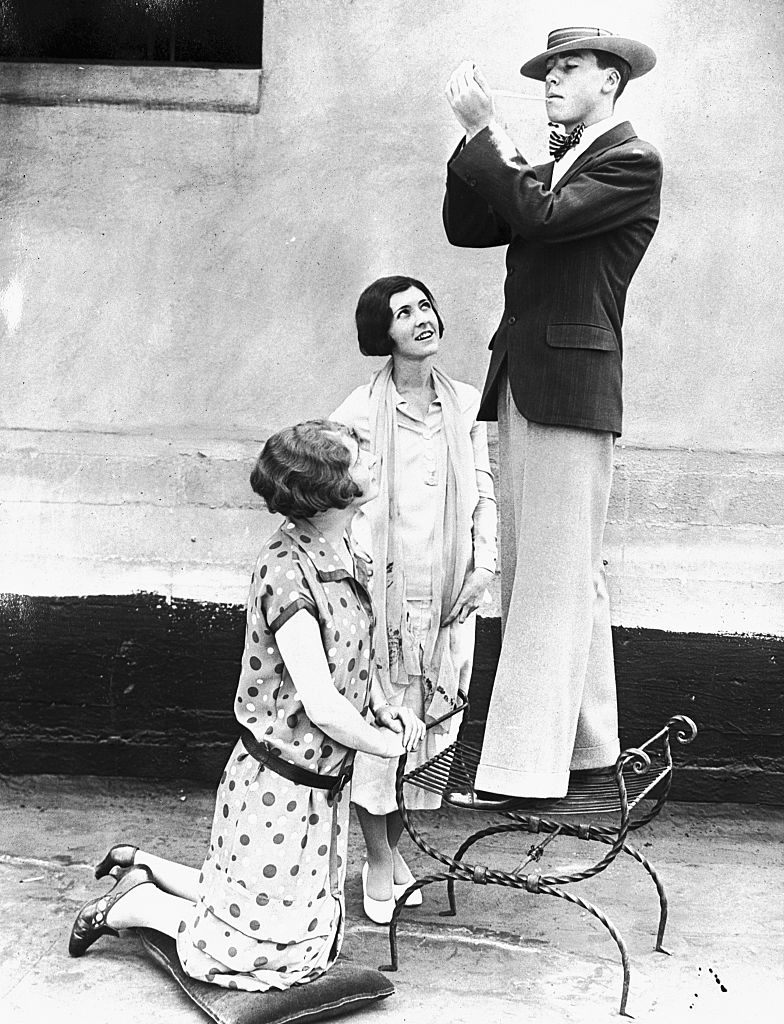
x,y
608,134
598,128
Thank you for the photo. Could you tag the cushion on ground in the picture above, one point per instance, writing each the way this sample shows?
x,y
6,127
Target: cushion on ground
x,y
345,987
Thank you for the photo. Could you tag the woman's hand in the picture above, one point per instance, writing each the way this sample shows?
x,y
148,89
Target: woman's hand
x,y
392,743
470,596
404,722
300,644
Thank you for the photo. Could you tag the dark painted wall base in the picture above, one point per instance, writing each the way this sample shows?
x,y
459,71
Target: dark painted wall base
x,y
138,686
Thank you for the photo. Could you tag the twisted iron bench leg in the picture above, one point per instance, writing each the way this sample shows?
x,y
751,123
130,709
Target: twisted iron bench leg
x,y
635,761
420,883
641,859
474,838
606,836
552,890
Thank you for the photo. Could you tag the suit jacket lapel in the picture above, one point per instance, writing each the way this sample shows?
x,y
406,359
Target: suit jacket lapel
x,y
614,137
544,172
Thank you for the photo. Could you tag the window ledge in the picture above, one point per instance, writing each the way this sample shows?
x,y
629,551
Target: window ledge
x,y
168,86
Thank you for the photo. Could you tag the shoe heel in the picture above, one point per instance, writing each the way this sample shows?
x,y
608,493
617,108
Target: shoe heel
x,y
106,865
120,856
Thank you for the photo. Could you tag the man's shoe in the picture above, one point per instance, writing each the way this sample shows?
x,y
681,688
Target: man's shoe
x,y
118,857
585,773
479,801
90,923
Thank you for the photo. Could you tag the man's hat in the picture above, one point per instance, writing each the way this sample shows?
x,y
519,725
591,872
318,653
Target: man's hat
x,y
638,56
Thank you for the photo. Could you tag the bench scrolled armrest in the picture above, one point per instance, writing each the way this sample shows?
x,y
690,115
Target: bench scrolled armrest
x,y
684,728
634,758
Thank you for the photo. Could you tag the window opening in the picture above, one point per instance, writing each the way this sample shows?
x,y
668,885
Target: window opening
x,y
200,33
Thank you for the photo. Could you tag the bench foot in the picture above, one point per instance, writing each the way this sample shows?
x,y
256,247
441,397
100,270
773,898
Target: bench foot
x,y
663,905
420,883
552,890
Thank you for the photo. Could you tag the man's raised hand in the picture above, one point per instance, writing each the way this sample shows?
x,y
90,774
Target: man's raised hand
x,y
470,97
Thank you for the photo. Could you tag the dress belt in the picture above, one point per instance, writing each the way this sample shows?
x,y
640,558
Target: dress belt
x,y
299,776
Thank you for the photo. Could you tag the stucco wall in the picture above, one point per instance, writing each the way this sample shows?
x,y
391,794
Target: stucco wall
x,y
174,284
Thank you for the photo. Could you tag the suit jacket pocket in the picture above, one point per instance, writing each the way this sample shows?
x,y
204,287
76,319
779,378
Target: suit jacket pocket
x,y
581,336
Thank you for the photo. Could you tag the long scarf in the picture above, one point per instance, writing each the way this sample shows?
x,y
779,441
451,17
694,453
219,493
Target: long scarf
x,y
401,656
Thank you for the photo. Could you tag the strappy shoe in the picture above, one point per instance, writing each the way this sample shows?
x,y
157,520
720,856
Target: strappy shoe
x,y
118,857
90,923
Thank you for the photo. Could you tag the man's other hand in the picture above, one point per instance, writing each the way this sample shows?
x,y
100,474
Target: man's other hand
x,y
470,97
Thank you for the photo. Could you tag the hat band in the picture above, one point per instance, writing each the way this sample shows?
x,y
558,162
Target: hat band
x,y
560,36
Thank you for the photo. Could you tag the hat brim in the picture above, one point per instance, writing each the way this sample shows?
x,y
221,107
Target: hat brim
x,y
638,56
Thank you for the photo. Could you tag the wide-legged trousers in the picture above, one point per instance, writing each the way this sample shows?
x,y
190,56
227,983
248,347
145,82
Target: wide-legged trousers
x,y
553,706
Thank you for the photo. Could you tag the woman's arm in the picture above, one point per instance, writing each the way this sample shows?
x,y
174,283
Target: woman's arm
x,y
299,642
484,529
354,412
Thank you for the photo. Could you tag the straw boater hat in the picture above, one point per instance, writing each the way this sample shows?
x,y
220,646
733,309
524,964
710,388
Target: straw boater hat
x,y
638,56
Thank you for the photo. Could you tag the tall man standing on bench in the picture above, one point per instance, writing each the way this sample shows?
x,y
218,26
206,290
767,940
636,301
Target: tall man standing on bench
x,y
576,230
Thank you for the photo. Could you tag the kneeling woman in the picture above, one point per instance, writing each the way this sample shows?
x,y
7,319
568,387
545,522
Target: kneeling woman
x,y
266,911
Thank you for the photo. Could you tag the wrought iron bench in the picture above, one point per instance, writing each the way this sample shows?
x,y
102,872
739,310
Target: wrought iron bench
x,y
640,773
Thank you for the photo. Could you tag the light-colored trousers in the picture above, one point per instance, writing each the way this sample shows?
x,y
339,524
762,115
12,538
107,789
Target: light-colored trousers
x,y
553,705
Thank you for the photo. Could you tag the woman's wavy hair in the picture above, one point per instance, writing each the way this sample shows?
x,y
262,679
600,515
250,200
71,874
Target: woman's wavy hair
x,y
304,469
374,316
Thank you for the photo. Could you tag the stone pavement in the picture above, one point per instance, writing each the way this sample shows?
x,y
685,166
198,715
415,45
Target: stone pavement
x,y
506,957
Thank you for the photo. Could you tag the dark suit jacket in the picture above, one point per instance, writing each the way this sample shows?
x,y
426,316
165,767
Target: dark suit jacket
x,y
571,254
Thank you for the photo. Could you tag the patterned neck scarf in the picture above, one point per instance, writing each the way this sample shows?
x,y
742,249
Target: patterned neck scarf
x,y
560,144
400,656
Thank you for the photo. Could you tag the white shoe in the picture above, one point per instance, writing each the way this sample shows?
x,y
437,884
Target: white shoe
x,y
379,911
414,900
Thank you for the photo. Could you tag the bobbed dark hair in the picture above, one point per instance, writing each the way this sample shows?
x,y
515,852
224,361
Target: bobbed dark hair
x,y
374,317
304,469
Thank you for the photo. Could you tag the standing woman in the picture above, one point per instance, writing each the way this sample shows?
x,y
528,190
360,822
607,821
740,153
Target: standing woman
x,y
266,911
433,529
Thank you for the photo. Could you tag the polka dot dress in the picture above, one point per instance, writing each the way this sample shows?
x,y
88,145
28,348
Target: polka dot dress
x,y
270,907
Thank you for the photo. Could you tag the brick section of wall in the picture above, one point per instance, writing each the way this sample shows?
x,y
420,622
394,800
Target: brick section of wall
x,y
141,686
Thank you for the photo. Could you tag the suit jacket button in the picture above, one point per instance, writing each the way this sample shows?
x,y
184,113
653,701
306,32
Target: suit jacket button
x,y
512,320
472,182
